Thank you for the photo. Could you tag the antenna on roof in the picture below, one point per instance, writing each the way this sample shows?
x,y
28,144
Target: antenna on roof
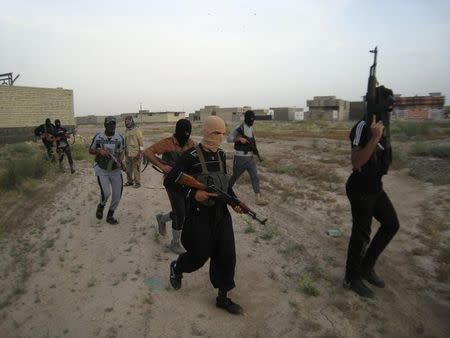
x,y
7,79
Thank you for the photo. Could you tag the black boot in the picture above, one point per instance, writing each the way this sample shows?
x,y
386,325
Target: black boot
x,y
175,277
99,212
359,287
227,304
373,278
110,218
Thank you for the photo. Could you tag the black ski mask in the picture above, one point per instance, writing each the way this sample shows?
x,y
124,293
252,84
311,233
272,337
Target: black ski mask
x,y
110,126
385,103
183,131
57,123
48,122
249,118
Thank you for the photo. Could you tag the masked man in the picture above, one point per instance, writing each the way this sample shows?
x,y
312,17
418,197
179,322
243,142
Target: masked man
x,y
62,145
371,157
46,132
134,146
108,148
244,156
171,149
208,229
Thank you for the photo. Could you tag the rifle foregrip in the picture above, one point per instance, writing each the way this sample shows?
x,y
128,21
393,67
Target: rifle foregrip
x,y
190,181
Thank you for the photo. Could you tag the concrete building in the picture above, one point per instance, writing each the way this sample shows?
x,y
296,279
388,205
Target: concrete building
x,y
288,114
89,119
159,117
22,109
229,115
429,107
328,108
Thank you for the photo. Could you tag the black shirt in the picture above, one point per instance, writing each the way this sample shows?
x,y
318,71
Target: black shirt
x,y
189,163
368,178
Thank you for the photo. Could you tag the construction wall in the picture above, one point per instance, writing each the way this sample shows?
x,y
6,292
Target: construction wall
x,y
24,108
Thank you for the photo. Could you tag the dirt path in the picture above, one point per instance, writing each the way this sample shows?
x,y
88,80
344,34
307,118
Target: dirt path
x,y
86,278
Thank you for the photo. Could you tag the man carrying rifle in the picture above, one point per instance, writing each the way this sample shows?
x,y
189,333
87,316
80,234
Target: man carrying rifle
x,y
62,145
245,152
108,148
170,149
46,132
208,229
371,157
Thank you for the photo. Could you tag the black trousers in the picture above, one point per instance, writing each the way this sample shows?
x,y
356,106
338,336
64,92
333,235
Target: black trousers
x,y
62,151
363,253
49,147
178,204
208,233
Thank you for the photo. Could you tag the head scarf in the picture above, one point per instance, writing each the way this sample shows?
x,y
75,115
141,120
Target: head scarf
x,y
213,132
129,122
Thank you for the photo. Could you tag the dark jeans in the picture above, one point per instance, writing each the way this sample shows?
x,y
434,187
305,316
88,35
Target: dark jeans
x,y
242,164
178,213
49,147
362,256
65,150
208,233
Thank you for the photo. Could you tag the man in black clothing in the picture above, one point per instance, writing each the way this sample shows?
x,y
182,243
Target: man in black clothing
x,y
371,157
46,132
62,145
208,228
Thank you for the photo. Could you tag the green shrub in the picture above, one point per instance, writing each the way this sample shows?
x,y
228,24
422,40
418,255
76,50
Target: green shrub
x,y
306,285
411,128
80,151
22,148
19,170
433,150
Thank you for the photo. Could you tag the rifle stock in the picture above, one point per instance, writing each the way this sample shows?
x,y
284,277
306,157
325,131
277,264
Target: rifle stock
x,y
189,181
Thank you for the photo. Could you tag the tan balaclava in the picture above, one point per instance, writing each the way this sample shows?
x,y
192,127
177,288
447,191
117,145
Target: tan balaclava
x,y
213,132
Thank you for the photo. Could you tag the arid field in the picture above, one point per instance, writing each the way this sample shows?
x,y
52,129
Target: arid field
x,y
63,273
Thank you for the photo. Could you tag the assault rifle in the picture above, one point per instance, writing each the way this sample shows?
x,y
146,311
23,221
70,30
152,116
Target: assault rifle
x,y
189,181
379,99
118,162
252,144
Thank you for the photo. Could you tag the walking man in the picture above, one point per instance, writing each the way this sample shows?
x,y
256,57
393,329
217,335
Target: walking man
x,y
244,155
108,148
62,145
371,157
208,229
46,132
134,147
170,149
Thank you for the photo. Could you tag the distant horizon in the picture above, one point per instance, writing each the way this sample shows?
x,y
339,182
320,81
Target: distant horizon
x,y
179,55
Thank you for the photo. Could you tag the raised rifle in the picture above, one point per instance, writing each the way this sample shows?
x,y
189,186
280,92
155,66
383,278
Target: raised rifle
x,y
379,100
189,181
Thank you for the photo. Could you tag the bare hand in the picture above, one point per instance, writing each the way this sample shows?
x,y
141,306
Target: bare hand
x,y
242,140
165,168
238,209
202,195
103,152
377,129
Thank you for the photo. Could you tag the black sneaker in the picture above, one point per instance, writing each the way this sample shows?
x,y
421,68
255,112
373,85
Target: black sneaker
x,y
175,278
128,184
359,287
229,305
72,171
99,212
373,279
110,218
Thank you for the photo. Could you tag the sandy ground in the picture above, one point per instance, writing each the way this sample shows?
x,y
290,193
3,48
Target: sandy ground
x,y
66,274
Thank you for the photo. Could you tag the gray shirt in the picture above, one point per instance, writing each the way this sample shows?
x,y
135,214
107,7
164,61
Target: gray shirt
x,y
114,145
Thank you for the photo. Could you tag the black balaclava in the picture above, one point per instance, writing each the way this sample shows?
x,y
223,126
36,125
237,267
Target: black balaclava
x,y
48,122
183,131
57,123
385,101
249,118
110,126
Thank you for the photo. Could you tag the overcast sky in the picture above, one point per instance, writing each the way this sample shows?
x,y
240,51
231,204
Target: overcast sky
x,y
182,55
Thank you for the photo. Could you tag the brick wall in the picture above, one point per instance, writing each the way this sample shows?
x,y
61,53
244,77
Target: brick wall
x,y
30,106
